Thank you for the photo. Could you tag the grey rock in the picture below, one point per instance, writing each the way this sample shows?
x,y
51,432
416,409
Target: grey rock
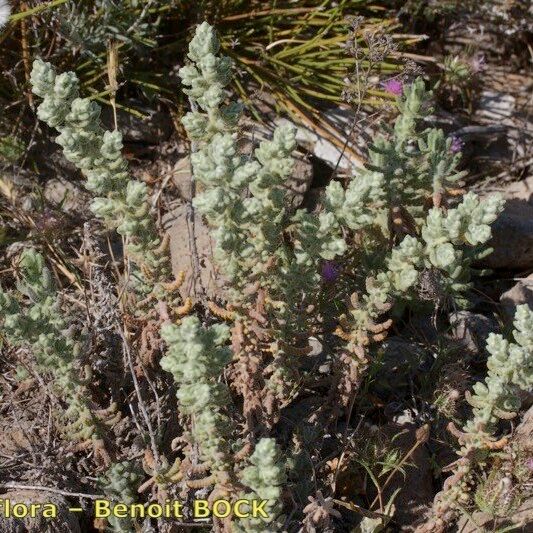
x,y
521,293
400,353
520,522
520,190
524,430
71,197
184,231
325,368
423,327
316,346
182,178
471,330
299,182
496,106
512,233
512,238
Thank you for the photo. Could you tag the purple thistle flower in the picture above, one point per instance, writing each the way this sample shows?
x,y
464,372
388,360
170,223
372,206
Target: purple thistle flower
x,y
330,271
457,144
393,86
478,63
529,463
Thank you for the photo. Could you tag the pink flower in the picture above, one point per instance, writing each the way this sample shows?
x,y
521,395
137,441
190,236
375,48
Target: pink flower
x,y
478,63
330,271
457,144
393,86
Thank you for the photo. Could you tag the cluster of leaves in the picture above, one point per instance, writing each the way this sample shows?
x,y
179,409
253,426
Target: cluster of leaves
x,y
390,237
196,358
404,171
118,485
89,26
121,202
32,317
510,371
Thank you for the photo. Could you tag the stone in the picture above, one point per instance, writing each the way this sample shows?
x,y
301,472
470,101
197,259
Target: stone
x,y
496,106
66,194
403,356
300,181
400,352
521,293
471,330
480,522
512,238
512,232
317,347
524,430
520,190
184,233
181,177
